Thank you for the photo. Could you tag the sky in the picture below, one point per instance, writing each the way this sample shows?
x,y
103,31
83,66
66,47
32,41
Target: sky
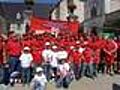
x,y
38,1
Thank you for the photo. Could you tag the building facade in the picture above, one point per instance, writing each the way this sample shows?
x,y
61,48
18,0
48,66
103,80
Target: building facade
x,y
90,13
94,15
112,10
112,6
112,17
69,9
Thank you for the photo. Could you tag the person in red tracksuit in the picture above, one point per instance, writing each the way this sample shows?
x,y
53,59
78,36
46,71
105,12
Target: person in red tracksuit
x,y
88,62
77,57
26,42
14,50
36,46
101,42
110,51
37,56
95,45
96,61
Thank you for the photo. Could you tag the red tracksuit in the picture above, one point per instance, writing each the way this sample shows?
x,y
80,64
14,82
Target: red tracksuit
x,y
37,57
88,55
110,56
13,48
76,57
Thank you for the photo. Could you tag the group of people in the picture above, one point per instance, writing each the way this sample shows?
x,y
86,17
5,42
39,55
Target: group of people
x,y
62,58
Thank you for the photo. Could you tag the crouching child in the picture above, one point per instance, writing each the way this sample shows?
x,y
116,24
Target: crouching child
x,y
39,81
64,75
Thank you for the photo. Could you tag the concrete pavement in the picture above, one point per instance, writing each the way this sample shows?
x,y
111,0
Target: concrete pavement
x,y
102,82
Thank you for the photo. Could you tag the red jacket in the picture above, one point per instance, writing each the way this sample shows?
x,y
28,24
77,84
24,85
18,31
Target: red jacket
x,y
37,56
111,46
76,57
110,49
35,44
88,55
26,43
96,58
13,48
102,44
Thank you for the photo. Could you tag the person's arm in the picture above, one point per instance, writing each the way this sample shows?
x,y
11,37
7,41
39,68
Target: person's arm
x,y
116,47
109,53
21,57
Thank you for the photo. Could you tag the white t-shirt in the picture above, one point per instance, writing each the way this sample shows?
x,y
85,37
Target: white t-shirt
x,y
62,55
54,59
41,79
26,60
47,54
64,68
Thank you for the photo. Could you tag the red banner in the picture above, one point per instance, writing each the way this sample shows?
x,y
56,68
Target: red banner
x,y
50,25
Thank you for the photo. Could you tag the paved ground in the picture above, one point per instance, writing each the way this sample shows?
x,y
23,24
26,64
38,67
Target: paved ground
x,y
103,82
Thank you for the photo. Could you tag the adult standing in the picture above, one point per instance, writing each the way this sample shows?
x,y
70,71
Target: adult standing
x,y
110,51
88,62
13,50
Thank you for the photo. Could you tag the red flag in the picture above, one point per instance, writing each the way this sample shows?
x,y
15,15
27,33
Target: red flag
x,y
48,25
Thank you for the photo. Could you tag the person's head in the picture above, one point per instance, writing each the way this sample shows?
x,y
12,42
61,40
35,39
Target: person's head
x,y
47,45
10,34
39,71
26,50
54,48
62,48
75,49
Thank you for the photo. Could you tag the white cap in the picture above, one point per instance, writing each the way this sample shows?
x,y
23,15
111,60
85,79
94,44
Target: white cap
x,y
26,48
39,69
47,43
71,47
77,42
53,33
54,47
85,43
